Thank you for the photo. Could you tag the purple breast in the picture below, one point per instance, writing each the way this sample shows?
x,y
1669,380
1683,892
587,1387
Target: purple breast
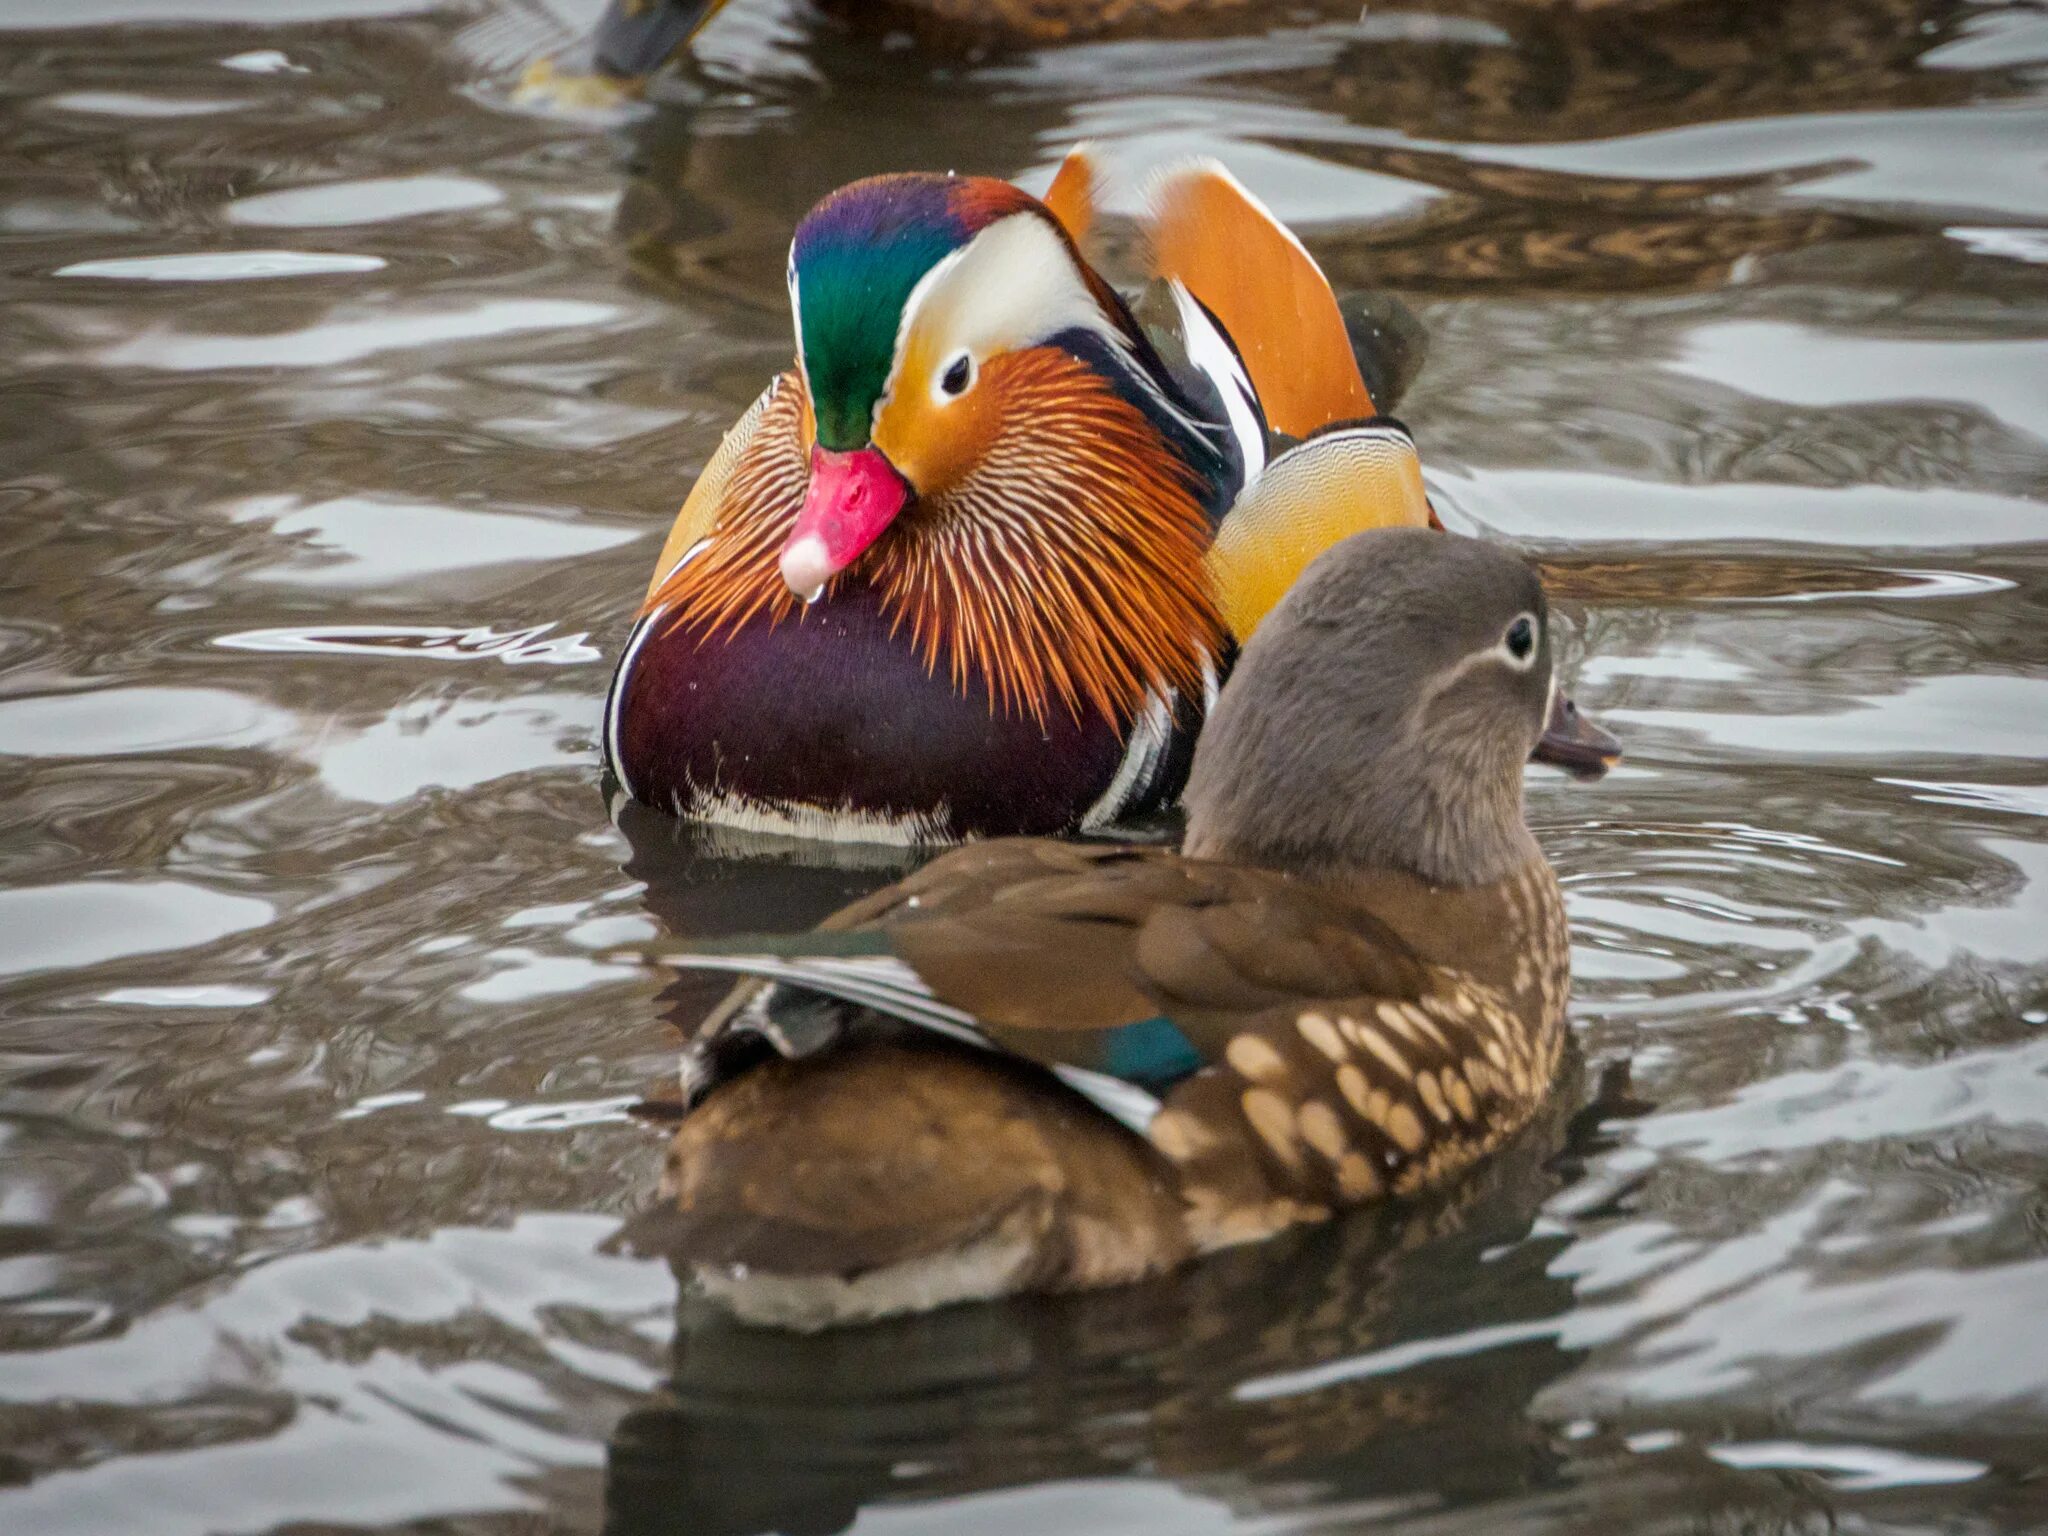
x,y
829,711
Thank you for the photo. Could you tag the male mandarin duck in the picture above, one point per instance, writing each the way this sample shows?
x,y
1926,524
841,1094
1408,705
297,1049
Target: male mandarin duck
x,y
977,563
1040,1065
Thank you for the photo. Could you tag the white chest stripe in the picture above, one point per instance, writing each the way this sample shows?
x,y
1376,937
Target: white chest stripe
x,y
1150,735
1209,351
615,696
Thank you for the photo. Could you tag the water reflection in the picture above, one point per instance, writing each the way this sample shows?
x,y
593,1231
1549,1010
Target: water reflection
x,y
340,430
1193,1381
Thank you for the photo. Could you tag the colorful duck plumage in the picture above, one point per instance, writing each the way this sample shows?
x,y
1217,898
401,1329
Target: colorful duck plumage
x,y
977,563
1350,984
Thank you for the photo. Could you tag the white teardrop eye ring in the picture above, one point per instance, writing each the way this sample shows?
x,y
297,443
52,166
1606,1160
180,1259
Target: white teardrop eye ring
x,y
1517,645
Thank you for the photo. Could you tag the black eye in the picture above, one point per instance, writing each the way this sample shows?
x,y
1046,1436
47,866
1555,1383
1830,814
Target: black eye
x,y
958,375
1521,638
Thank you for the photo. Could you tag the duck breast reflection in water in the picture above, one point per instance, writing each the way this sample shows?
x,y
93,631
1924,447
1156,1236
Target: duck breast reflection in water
x,y
1038,1065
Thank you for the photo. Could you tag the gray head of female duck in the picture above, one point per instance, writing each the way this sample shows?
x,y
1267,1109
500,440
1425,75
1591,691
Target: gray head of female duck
x,y
1381,716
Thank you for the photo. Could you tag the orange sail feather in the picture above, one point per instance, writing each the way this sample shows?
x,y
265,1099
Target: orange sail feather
x,y
1217,240
1072,195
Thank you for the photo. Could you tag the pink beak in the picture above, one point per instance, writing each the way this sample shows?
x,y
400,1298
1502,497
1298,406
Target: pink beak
x,y
853,497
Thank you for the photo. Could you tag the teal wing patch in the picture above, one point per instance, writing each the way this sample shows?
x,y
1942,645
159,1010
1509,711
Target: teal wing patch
x,y
1152,1052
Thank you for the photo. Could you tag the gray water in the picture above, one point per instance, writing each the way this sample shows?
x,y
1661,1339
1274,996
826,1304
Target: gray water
x,y
343,405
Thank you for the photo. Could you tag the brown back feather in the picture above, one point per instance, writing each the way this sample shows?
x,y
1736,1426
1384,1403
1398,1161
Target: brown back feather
x,y
1136,932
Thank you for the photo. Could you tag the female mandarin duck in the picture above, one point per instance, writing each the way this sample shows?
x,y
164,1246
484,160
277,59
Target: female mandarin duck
x,y
976,565
1039,1065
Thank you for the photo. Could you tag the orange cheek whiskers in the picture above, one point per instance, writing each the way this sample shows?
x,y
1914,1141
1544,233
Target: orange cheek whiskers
x,y
1067,568
1063,571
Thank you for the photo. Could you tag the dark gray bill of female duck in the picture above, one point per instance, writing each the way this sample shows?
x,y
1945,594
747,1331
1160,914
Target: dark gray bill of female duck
x,y
1572,741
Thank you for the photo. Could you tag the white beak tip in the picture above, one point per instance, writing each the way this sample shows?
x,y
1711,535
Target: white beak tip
x,y
806,567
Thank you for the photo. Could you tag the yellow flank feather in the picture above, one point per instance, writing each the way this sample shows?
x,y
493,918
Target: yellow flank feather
x,y
707,497
1309,498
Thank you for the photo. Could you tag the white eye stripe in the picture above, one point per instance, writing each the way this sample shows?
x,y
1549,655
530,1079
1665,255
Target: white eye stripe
x,y
796,315
1010,287
1497,654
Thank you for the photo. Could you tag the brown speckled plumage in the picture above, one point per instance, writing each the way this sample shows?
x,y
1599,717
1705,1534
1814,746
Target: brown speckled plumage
x,y
1367,982
1381,1094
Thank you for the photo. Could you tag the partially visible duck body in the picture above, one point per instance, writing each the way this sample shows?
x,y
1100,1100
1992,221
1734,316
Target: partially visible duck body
x,y
1038,1065
977,565
634,38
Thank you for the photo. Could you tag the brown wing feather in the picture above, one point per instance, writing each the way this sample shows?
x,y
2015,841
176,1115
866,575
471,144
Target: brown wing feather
x,y
855,915
1033,935
1265,942
1342,1066
978,926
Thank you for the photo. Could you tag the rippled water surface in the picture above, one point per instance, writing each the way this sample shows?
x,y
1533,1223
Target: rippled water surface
x,y
343,404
